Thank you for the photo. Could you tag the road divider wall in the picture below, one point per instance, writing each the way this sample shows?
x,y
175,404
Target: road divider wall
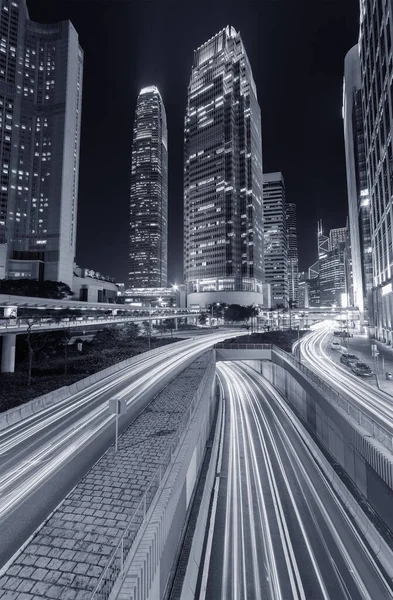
x,y
151,558
368,464
28,409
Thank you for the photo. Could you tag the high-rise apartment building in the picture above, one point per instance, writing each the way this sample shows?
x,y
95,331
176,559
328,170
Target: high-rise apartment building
x,y
223,227
148,242
41,69
375,51
275,237
357,184
293,261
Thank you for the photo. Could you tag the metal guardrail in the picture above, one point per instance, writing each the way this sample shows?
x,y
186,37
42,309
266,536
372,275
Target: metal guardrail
x,y
21,323
118,558
224,346
341,399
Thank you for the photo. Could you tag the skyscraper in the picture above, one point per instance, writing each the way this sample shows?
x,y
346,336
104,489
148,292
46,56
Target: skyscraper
x,y
357,185
41,69
293,261
332,276
223,228
148,243
375,50
337,236
275,237
323,241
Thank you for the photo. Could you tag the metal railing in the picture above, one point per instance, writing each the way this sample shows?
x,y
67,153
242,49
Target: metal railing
x,y
22,323
224,346
118,558
341,399
369,422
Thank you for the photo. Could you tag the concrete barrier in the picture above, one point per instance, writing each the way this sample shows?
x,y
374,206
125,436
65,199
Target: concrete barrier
x,y
376,541
194,565
150,560
14,415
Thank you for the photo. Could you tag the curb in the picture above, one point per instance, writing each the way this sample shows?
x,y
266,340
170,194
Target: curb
x,y
189,587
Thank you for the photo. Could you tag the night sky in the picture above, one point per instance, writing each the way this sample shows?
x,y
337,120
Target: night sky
x,y
296,49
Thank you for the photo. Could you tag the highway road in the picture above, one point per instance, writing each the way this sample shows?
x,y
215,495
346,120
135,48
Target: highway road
x,y
277,530
44,456
376,403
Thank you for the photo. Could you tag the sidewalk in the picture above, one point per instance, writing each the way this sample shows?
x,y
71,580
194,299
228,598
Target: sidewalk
x,y
67,555
361,346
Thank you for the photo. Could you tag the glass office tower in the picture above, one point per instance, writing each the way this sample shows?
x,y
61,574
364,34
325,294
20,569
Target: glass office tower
x,y
375,52
223,220
41,69
275,238
293,260
148,241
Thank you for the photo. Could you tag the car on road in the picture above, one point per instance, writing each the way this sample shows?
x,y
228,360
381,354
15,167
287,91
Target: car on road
x,y
361,369
336,345
347,359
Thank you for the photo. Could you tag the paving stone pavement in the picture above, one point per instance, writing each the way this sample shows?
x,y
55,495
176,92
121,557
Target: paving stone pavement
x,y
68,554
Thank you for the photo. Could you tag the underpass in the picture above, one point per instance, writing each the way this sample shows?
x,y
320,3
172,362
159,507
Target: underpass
x,y
277,529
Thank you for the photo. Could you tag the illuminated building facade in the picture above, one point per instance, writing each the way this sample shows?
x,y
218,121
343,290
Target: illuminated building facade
x,y
375,52
223,219
357,184
41,68
275,237
332,276
293,261
148,242
337,236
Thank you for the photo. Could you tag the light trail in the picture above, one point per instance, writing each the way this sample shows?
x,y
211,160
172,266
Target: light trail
x,y
280,531
372,401
37,447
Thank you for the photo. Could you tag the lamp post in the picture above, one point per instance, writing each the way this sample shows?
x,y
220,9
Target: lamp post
x,y
149,325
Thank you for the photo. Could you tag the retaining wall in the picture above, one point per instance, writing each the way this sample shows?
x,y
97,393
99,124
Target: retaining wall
x,y
151,559
365,460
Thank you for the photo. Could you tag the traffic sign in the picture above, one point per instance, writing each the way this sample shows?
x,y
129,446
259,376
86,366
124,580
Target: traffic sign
x,y
117,406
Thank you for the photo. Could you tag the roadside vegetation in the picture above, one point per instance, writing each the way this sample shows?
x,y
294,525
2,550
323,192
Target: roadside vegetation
x,y
282,339
48,361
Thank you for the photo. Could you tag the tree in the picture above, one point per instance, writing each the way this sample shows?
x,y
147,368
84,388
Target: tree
x,y
237,313
37,289
202,319
35,343
65,340
128,333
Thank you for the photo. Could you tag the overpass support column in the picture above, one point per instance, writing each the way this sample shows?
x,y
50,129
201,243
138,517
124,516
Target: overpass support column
x,y
8,353
177,323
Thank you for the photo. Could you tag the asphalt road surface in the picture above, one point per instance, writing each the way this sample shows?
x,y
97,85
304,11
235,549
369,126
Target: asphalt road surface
x,y
277,529
44,456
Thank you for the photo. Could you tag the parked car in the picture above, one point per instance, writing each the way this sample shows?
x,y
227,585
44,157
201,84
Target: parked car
x,y
361,369
336,345
347,359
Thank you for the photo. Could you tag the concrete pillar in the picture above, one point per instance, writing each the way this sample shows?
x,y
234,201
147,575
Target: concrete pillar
x,y
176,324
8,353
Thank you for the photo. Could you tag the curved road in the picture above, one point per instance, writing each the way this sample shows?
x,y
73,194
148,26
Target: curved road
x,y
45,455
376,403
277,530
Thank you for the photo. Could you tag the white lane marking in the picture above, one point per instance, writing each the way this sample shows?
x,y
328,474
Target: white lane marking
x,y
212,524
27,472
336,532
289,555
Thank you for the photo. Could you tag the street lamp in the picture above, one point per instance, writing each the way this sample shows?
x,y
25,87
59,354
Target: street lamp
x,y
149,325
